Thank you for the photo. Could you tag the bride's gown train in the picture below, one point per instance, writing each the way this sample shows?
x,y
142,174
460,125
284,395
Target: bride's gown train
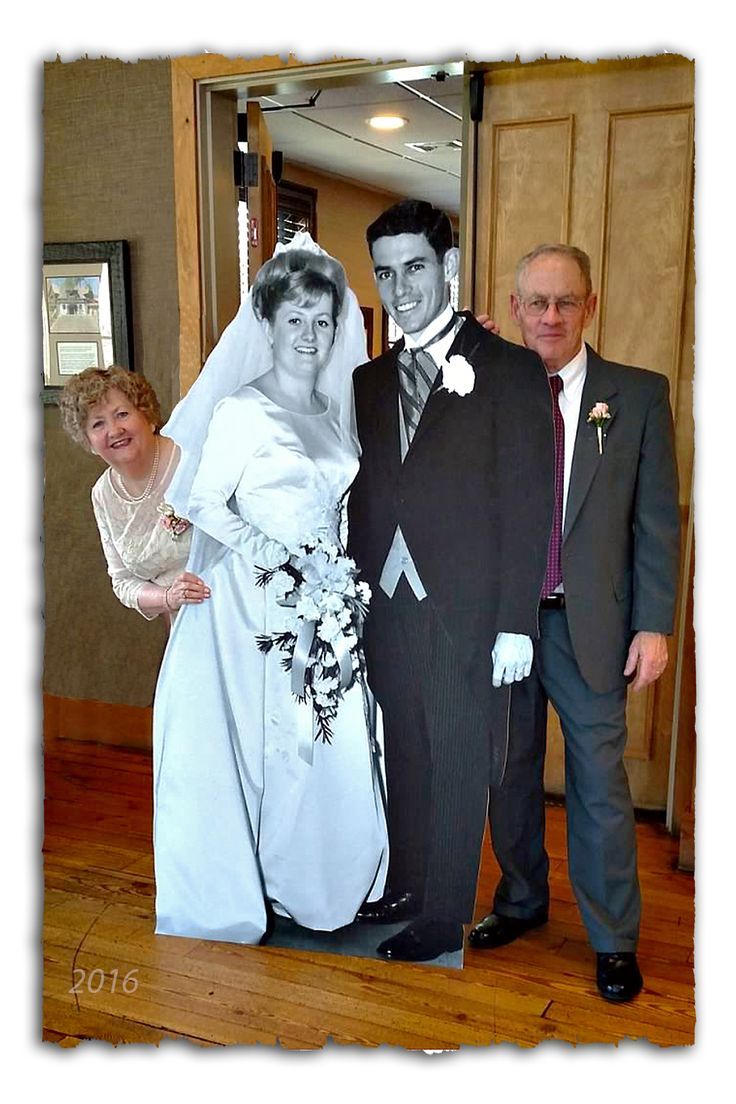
x,y
239,815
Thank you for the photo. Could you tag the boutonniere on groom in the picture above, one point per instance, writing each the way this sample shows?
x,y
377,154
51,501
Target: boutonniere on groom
x,y
600,417
458,375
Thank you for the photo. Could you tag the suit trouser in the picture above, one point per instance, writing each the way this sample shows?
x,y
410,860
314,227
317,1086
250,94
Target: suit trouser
x,y
601,837
437,746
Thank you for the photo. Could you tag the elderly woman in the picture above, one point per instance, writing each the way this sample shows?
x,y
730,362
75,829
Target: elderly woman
x,y
251,813
115,414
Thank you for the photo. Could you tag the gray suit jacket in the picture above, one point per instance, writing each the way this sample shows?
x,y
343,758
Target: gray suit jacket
x,y
621,542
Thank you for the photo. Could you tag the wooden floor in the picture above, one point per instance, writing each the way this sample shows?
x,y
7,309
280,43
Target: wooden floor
x,y
108,977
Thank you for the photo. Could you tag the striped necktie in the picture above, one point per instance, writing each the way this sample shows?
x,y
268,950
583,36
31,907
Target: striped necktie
x,y
417,375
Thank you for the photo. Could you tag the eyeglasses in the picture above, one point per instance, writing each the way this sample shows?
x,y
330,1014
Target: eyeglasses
x,y
537,305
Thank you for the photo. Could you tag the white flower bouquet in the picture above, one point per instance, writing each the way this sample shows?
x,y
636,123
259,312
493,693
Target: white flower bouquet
x,y
321,643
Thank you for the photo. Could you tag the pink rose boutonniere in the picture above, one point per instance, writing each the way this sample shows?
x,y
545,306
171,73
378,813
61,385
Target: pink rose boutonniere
x,y
172,522
600,417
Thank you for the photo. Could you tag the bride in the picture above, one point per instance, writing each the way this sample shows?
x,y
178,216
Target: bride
x,y
244,822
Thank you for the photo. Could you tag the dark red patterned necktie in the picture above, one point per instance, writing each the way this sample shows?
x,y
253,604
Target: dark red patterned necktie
x,y
553,577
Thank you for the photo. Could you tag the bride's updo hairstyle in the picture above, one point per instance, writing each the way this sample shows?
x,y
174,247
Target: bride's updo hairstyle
x,y
301,277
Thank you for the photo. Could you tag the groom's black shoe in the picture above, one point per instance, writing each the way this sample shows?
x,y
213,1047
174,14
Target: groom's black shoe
x,y
496,930
391,909
618,976
423,940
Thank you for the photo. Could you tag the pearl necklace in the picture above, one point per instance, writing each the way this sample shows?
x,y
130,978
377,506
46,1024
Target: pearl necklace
x,y
151,478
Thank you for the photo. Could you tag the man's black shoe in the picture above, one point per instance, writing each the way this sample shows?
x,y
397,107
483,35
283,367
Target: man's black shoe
x,y
496,930
391,909
422,941
618,976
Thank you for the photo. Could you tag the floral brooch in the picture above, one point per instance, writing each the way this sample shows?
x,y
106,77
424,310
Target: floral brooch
x,y
458,375
172,522
599,416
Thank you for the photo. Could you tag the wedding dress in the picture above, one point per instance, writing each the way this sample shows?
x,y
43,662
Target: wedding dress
x,y
240,816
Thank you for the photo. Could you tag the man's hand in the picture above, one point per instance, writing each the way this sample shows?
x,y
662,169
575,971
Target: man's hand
x,y
647,657
512,658
487,324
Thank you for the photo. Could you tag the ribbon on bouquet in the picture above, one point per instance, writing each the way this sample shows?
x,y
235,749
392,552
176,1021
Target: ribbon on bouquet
x,y
299,661
302,648
302,651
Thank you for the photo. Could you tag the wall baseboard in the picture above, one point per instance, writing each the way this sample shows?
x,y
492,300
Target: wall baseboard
x,y
97,722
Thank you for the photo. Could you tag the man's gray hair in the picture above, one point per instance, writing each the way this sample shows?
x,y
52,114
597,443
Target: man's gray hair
x,y
581,259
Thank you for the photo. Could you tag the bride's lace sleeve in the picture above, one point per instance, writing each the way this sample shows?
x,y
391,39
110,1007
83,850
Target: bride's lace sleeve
x,y
127,587
232,439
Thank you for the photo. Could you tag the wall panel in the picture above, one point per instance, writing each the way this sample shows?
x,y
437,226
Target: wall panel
x,y
647,217
530,195
107,174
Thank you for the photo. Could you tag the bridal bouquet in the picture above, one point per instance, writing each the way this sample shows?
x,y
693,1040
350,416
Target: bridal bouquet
x,y
320,644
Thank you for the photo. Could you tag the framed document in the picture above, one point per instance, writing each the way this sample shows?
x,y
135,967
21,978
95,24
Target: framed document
x,y
86,310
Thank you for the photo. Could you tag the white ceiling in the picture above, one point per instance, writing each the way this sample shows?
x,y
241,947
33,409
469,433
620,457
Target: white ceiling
x,y
334,136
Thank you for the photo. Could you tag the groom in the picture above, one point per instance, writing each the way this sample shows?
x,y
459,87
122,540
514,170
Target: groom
x,y
449,520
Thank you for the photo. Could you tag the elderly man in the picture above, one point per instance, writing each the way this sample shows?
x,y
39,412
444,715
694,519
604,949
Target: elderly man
x,y
607,605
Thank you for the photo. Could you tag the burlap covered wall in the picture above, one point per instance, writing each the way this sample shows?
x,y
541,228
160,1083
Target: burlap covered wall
x,y
107,174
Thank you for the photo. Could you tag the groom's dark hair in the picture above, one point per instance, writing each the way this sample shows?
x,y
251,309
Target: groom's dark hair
x,y
413,216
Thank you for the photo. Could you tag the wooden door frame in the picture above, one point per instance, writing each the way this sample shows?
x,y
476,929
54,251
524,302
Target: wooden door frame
x,y
195,76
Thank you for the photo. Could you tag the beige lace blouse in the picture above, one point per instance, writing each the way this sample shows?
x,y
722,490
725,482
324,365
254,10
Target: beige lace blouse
x,y
137,547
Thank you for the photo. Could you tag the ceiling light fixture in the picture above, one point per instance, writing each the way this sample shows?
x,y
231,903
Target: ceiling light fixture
x,y
387,122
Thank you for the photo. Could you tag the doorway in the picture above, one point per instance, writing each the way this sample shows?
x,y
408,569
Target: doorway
x,y
327,154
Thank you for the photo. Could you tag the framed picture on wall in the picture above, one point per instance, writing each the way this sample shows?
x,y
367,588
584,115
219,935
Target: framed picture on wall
x,y
85,310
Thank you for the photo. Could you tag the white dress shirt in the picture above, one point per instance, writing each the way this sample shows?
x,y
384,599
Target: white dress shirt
x,y
440,349
573,377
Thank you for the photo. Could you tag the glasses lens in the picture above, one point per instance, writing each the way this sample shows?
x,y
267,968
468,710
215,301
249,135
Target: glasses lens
x,y
538,305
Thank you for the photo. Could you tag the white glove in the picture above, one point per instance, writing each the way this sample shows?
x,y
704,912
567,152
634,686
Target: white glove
x,y
512,658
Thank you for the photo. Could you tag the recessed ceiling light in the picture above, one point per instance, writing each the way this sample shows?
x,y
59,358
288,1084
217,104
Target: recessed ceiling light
x,y
387,122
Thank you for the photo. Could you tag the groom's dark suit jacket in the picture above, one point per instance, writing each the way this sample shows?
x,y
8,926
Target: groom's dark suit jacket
x,y
473,497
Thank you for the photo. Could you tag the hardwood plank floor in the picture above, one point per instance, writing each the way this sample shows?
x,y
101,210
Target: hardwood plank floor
x,y
108,977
